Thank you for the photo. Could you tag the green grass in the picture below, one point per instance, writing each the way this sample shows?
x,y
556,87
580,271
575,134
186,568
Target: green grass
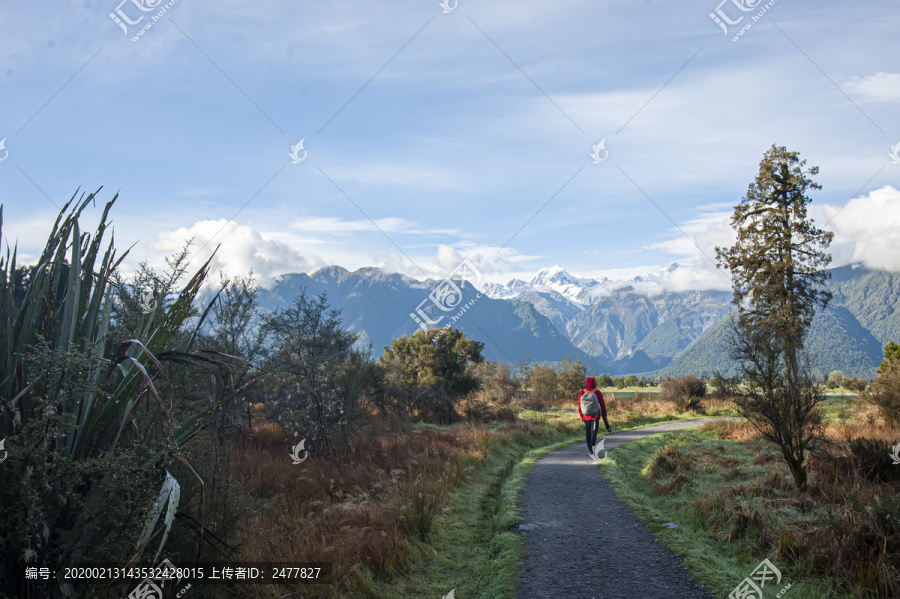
x,y
628,392
717,564
472,548
837,407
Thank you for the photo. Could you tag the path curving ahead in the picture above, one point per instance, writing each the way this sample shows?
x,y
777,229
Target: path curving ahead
x,y
583,543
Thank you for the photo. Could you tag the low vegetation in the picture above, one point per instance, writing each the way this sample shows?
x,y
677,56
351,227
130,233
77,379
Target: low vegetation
x,y
687,392
734,503
884,392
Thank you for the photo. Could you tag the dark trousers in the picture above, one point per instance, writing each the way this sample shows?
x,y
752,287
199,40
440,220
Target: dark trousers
x,y
590,433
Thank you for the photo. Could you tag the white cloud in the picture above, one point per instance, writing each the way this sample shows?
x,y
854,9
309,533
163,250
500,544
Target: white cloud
x,y
694,274
693,277
879,87
390,262
699,237
242,249
496,265
866,230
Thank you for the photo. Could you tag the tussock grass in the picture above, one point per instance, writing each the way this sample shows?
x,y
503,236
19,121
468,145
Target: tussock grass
x,y
735,503
365,515
379,513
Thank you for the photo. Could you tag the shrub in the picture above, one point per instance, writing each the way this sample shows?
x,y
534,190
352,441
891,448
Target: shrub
x,y
855,384
570,379
495,381
542,378
835,379
686,392
872,459
885,394
321,375
425,374
92,426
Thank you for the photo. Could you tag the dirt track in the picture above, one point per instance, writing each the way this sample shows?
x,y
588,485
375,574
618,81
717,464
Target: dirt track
x,y
583,543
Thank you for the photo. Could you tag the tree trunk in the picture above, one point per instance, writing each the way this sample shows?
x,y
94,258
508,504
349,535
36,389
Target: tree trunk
x,y
791,343
791,371
798,471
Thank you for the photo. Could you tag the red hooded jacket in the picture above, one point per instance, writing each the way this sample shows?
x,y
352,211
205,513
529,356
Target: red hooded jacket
x,y
590,385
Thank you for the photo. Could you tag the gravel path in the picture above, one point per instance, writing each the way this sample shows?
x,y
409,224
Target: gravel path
x,y
583,543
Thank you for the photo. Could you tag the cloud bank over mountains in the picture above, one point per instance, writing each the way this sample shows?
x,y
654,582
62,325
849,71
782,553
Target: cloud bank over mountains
x,y
866,228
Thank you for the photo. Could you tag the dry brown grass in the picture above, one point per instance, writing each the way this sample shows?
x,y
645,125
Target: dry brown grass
x,y
860,419
716,404
484,407
844,526
617,408
360,515
733,430
668,471
365,514
745,517
858,539
765,457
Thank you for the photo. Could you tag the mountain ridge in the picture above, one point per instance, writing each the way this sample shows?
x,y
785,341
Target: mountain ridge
x,y
617,326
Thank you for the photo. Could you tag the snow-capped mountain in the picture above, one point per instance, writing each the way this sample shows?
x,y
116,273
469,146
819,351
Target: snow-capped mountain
x,y
581,291
624,320
555,278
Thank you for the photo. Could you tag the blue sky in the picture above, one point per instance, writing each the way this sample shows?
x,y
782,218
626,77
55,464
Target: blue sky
x,y
435,136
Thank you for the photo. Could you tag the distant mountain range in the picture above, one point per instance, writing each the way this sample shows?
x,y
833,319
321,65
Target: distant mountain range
x,y
617,327
377,306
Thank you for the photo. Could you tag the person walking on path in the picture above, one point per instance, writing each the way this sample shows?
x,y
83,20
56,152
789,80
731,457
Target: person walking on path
x,y
591,407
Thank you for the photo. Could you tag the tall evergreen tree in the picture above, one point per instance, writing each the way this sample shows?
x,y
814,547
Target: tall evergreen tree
x,y
778,271
777,264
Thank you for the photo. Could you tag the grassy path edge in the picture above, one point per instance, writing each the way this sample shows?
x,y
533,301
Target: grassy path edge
x,y
716,570
473,549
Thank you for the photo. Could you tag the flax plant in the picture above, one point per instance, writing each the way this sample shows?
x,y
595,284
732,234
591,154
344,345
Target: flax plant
x,y
92,431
